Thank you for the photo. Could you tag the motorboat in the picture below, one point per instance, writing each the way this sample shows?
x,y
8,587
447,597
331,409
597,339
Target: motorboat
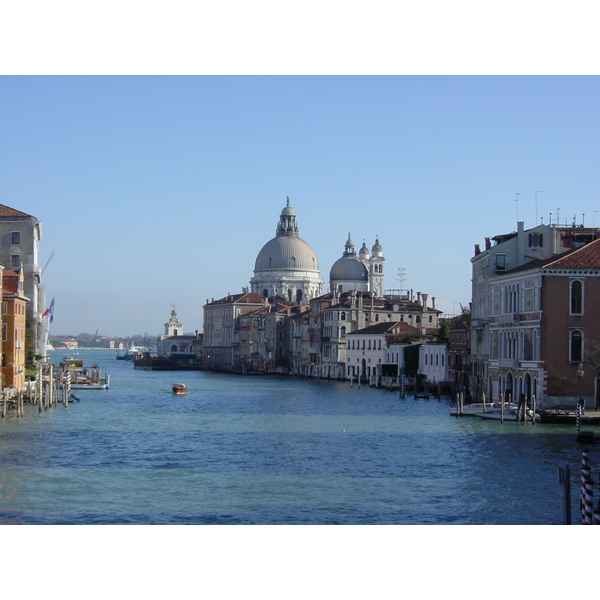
x,y
509,414
180,389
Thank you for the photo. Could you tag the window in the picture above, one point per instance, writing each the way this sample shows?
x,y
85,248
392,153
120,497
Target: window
x,y
576,346
342,316
15,261
576,297
500,262
15,238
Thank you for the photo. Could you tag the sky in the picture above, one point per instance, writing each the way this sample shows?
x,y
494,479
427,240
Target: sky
x,y
161,190
159,173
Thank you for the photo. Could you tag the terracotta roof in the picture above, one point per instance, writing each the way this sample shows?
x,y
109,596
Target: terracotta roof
x,y
7,211
585,257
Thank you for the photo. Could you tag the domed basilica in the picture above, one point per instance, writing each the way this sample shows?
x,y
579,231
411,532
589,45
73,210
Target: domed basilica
x,y
287,266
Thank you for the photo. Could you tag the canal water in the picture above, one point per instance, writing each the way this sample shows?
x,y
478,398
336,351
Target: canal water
x,y
272,450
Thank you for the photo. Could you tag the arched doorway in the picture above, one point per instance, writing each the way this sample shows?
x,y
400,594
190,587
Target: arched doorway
x,y
508,392
527,388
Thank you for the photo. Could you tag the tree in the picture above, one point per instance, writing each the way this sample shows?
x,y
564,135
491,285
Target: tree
x,y
444,334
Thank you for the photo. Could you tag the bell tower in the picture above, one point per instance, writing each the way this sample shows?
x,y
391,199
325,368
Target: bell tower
x,y
376,276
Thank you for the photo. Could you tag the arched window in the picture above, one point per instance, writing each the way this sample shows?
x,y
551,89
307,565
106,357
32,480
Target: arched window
x,y
342,316
266,293
298,295
343,331
576,297
576,346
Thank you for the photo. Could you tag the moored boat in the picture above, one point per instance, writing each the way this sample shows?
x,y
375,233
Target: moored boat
x,y
477,408
180,388
83,378
509,415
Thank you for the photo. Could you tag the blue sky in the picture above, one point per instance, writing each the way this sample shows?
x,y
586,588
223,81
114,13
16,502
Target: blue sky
x,y
157,190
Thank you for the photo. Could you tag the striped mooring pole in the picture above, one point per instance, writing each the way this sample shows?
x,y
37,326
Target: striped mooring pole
x,y
578,420
587,490
402,386
597,515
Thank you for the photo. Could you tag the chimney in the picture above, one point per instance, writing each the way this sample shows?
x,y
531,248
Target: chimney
x,y
418,297
433,302
477,250
488,243
521,243
425,296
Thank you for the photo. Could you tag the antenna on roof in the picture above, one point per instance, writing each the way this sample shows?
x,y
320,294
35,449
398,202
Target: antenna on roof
x,y
47,262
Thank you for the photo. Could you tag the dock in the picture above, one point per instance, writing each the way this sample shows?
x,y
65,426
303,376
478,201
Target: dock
x,y
568,414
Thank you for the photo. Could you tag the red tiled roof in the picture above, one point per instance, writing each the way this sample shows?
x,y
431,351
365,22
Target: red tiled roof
x,y
7,211
586,257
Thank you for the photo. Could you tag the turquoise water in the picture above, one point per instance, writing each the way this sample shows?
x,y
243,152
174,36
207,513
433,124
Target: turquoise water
x,y
269,450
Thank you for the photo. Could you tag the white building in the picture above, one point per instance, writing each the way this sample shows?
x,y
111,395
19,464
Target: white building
x,y
367,348
173,341
432,360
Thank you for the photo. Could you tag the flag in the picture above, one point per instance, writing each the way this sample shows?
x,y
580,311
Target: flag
x,y
50,311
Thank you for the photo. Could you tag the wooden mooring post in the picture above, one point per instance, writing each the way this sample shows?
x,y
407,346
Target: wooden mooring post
x,y
564,479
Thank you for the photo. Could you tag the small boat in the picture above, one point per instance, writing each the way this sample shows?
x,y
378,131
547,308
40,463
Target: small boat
x,y
477,408
180,388
509,415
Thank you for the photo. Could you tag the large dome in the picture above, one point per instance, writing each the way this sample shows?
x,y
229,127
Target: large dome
x,y
348,268
286,252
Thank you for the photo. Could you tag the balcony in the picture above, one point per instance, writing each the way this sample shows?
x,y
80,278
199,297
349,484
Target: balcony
x,y
508,363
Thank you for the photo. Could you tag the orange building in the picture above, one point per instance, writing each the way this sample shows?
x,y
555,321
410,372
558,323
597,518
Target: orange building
x,y
14,303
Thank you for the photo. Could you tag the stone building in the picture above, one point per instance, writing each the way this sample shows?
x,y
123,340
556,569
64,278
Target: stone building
x,y
174,343
534,317
20,235
14,305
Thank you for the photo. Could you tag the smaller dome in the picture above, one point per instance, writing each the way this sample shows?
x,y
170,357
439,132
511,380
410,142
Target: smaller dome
x,y
376,247
348,268
364,251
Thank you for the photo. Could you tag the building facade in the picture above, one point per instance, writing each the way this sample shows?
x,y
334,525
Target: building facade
x,y
531,322
20,235
14,324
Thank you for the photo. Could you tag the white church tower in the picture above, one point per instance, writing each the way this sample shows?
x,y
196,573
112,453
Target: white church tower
x,y
375,266
173,326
